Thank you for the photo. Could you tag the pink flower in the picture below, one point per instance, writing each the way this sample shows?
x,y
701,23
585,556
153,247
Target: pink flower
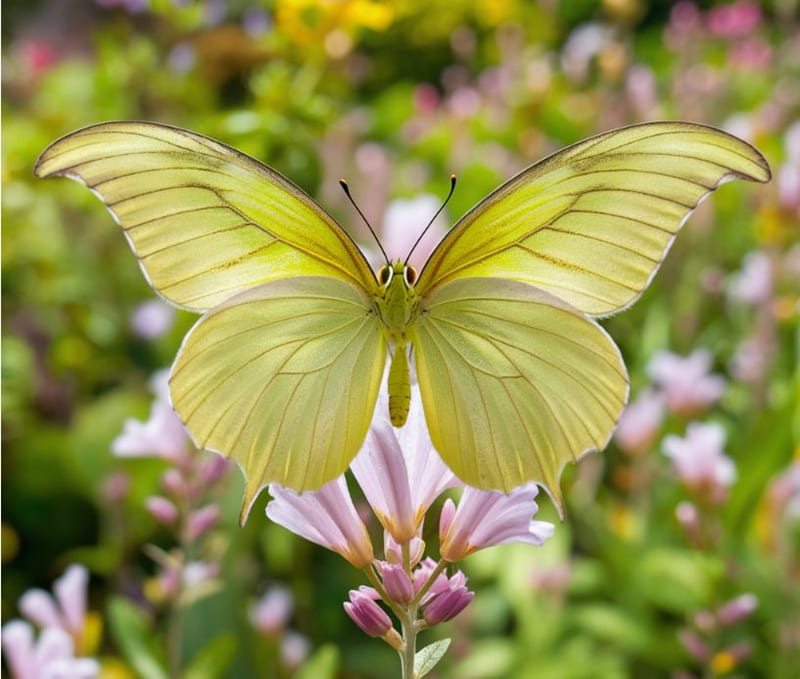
x,y
735,20
367,614
161,509
754,283
270,614
152,319
404,220
201,521
163,435
685,381
294,649
398,585
326,517
399,470
67,611
736,610
640,423
699,459
448,602
51,656
485,518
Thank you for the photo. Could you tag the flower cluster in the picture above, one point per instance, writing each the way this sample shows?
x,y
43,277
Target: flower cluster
x,y
401,476
66,632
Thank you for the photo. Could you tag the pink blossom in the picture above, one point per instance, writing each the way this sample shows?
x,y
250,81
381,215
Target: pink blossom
x,y
162,435
403,222
640,86
399,470
162,510
789,187
393,550
640,423
152,319
685,381
754,283
695,646
51,656
735,20
699,460
270,614
736,610
486,518
582,46
367,614
68,610
784,491
398,585
294,649
197,572
446,604
326,517
201,521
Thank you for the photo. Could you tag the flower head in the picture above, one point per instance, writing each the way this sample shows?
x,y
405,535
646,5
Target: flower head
x,y
271,612
485,518
685,381
51,656
640,423
699,460
326,517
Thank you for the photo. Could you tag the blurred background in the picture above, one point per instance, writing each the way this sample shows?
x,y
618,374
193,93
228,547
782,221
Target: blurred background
x,y
395,97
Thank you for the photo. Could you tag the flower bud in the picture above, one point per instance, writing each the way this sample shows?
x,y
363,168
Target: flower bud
x,y
365,613
737,609
447,605
397,583
202,521
161,509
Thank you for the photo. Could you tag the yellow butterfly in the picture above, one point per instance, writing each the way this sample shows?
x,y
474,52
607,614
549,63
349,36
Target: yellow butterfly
x,y
282,371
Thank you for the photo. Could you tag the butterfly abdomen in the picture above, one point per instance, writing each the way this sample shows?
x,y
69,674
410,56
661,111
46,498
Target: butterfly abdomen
x,y
399,387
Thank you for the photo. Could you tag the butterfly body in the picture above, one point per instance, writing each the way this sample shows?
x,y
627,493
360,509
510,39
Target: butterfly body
x,y
283,369
397,305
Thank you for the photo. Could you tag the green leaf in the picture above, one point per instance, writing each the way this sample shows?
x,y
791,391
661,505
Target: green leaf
x,y
131,631
322,665
212,660
427,658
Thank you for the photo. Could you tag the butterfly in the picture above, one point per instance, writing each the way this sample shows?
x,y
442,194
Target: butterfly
x,y
283,369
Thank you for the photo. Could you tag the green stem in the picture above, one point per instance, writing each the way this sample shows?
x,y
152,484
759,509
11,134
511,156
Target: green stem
x,y
410,638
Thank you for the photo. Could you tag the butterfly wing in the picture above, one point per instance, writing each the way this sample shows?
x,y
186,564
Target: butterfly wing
x,y
283,378
515,382
592,223
205,220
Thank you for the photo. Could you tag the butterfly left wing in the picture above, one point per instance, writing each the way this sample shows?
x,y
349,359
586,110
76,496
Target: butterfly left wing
x,y
205,220
592,223
515,383
283,378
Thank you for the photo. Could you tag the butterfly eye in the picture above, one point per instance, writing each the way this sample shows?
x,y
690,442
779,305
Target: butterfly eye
x,y
385,275
410,275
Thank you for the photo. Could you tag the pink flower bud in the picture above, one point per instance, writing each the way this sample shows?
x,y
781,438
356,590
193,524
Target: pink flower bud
x,y
737,609
202,521
694,645
271,613
174,483
447,605
213,470
39,607
294,649
161,509
365,613
397,583
115,487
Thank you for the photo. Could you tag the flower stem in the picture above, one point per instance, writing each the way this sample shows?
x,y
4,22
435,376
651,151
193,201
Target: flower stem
x,y
410,638
435,574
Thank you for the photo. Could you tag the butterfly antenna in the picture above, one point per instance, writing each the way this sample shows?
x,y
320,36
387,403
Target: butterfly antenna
x,y
346,190
433,219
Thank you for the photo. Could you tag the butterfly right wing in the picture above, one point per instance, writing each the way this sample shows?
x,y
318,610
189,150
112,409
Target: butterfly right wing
x,y
205,220
283,378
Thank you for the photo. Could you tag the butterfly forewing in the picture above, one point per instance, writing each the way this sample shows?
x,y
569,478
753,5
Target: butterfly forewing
x,y
592,223
205,220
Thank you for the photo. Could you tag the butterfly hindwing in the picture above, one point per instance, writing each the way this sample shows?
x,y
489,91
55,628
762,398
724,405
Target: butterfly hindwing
x,y
206,221
515,382
592,223
283,378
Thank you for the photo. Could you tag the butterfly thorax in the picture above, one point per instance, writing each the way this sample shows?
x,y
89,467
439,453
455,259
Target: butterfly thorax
x,y
396,301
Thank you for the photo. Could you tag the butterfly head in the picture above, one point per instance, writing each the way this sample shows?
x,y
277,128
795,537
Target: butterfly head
x,y
400,271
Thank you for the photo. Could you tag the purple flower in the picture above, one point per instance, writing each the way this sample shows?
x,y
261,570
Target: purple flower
x,y
754,284
398,585
486,518
201,521
51,656
67,611
640,423
737,609
736,20
699,459
326,517
367,614
162,510
687,386
294,649
446,604
162,435
152,319
270,614
399,470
